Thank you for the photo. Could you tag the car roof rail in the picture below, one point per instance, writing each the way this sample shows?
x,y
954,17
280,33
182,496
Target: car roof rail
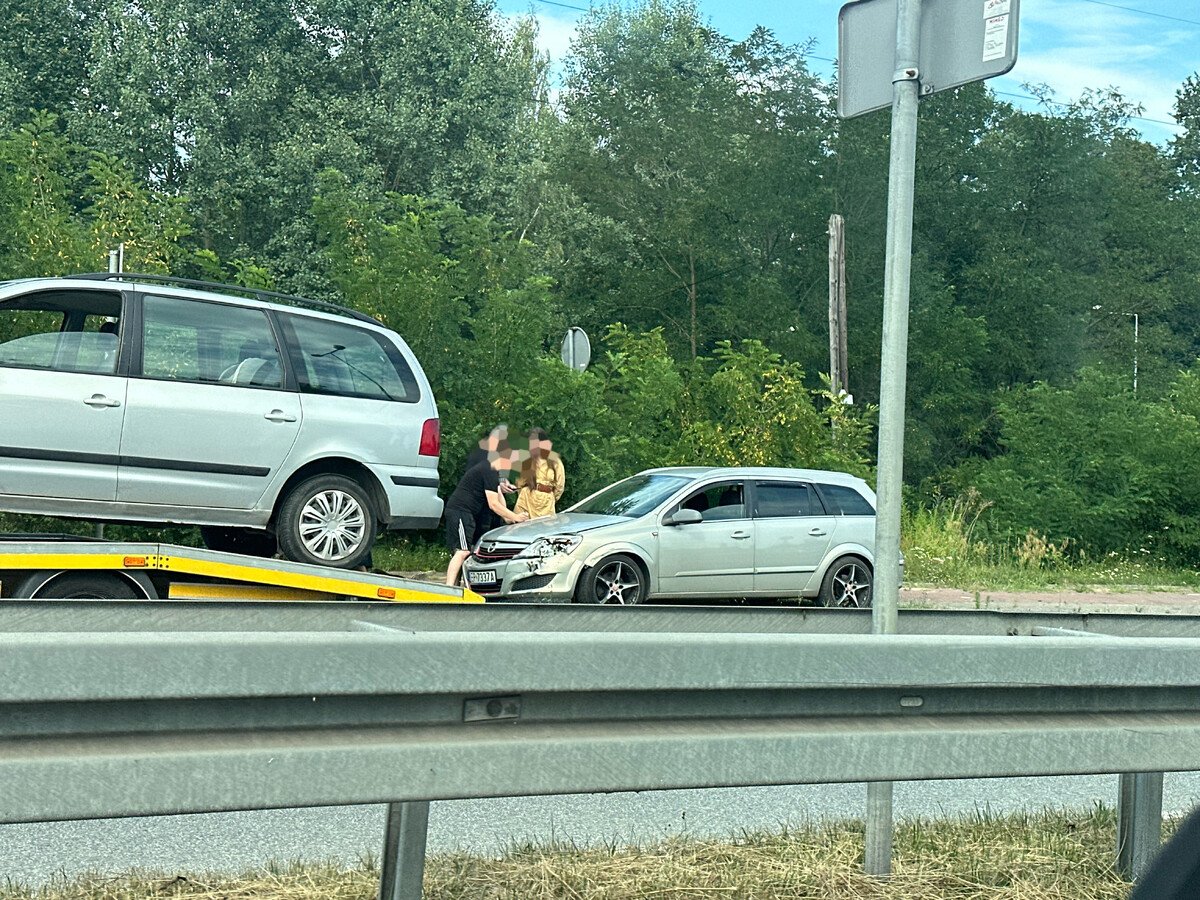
x,y
254,293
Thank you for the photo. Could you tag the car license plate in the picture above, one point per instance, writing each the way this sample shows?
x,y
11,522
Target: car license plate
x,y
484,577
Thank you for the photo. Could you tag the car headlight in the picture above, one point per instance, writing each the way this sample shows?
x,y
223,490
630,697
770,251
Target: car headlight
x,y
552,546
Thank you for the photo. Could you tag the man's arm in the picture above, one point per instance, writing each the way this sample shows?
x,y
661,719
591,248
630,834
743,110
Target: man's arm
x,y
500,508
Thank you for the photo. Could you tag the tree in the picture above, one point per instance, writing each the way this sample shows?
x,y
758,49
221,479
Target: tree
x,y
680,142
241,105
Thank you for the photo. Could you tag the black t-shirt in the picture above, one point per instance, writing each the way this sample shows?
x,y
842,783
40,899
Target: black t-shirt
x,y
475,457
469,495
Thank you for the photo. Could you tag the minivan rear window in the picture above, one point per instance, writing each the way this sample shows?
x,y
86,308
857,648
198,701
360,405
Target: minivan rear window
x,y
342,359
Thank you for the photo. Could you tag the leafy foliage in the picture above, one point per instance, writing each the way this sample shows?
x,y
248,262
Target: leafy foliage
x,y
1094,465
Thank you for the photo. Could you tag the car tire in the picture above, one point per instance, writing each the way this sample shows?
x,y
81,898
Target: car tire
x,y
327,520
618,579
86,586
848,584
248,541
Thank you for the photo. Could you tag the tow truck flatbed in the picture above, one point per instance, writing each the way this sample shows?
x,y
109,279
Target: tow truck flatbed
x,y
61,567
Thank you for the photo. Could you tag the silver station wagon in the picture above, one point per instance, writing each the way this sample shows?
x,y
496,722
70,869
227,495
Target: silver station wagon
x,y
692,532
265,419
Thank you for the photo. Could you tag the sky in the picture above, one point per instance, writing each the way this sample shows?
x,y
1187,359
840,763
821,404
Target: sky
x,y
1144,48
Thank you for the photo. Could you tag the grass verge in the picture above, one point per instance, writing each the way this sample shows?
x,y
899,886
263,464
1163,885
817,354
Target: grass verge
x,y
1049,856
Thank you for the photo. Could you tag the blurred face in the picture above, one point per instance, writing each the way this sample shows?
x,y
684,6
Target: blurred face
x,y
504,460
492,442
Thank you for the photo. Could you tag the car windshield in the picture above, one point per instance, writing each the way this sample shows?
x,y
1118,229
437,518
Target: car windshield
x,y
633,497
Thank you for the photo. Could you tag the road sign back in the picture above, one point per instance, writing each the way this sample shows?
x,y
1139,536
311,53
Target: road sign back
x,y
961,41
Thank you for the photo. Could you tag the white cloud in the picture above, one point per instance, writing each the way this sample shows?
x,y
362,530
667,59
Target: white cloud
x,y
1072,46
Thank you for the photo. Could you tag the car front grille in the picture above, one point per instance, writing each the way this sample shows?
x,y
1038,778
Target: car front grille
x,y
495,553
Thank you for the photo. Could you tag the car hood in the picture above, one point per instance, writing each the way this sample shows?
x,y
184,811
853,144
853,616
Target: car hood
x,y
562,523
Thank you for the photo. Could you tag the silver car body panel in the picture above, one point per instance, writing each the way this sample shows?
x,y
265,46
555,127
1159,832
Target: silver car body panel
x,y
142,449
718,558
71,442
166,460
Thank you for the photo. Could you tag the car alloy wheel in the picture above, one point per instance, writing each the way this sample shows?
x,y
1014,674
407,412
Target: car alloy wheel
x,y
617,580
848,584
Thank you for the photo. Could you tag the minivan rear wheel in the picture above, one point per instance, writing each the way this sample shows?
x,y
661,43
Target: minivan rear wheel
x,y
327,520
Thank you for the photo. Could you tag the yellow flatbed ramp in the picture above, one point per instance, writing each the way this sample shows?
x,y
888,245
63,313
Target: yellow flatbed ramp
x,y
50,568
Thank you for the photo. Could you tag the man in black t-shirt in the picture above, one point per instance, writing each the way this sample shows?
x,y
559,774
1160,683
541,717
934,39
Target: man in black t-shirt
x,y
495,441
470,507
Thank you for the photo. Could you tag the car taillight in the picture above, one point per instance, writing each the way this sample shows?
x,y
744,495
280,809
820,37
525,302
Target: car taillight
x,y
431,438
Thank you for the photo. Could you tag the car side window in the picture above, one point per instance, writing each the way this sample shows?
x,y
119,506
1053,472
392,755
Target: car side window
x,y
189,340
348,361
845,501
718,502
64,331
775,500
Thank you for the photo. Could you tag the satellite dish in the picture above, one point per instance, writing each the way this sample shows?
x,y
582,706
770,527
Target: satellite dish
x,y
576,349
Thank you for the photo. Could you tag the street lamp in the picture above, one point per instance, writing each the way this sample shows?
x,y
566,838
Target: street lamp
x,y
1136,328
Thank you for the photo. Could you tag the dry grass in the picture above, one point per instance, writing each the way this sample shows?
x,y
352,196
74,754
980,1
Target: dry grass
x,y
1055,856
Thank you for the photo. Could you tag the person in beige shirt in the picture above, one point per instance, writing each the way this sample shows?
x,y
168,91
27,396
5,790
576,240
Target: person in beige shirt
x,y
542,478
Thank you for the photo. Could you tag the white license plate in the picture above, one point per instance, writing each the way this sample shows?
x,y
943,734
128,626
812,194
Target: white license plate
x,y
484,577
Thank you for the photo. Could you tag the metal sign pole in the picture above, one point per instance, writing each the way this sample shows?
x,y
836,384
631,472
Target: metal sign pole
x,y
893,376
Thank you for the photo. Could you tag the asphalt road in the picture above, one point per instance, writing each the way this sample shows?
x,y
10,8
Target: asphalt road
x,y
32,854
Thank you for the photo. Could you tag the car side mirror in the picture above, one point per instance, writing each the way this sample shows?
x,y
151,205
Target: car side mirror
x,y
683,517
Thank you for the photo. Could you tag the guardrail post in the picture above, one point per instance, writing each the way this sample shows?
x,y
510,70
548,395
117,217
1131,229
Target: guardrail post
x,y
403,868
877,856
1139,822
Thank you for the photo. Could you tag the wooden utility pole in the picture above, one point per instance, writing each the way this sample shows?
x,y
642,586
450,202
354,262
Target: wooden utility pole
x,y
839,373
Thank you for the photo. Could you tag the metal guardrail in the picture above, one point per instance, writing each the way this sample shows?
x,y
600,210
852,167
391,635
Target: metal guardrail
x,y
166,615
177,708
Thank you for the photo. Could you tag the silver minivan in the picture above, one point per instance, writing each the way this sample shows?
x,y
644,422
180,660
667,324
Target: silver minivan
x,y
692,532
263,418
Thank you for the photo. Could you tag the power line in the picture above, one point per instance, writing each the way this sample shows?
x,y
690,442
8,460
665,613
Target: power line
x,y
564,5
1140,12
1064,105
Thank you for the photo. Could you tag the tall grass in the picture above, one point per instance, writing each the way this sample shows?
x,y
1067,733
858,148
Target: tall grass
x,y
944,546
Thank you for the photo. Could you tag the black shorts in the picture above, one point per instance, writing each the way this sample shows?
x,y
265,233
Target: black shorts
x,y
462,531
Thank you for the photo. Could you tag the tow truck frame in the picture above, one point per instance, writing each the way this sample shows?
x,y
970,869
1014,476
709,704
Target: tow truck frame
x,y
47,567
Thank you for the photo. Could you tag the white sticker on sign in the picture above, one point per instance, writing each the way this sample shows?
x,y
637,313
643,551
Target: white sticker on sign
x,y
995,38
996,8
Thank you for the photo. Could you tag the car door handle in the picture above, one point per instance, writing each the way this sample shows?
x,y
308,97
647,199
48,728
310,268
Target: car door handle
x,y
99,401
817,532
278,415
740,535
